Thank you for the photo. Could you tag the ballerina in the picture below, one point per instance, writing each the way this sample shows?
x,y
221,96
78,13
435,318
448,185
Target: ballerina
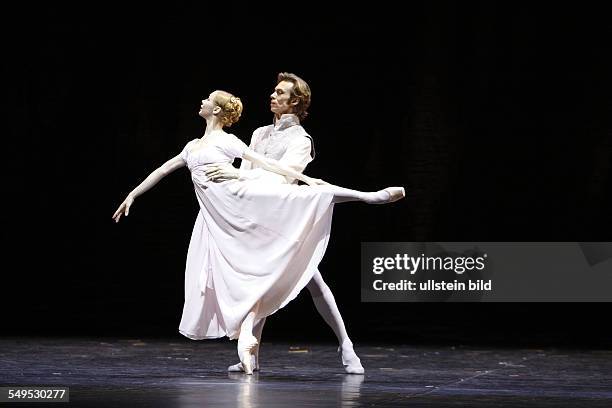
x,y
254,246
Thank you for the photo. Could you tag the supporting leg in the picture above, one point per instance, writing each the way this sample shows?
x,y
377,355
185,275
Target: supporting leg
x,y
246,341
257,332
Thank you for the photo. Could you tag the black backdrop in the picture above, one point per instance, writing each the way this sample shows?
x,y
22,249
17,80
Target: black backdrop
x,y
494,116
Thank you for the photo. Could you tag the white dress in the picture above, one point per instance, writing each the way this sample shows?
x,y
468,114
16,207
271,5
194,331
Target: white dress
x,y
252,241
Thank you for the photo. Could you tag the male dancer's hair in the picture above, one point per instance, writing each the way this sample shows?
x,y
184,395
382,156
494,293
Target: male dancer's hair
x,y
301,92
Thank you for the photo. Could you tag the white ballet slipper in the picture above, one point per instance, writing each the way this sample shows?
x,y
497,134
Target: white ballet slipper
x,y
238,368
246,344
395,193
350,360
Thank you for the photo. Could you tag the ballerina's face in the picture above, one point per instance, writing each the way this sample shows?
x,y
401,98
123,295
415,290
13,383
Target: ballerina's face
x,y
208,106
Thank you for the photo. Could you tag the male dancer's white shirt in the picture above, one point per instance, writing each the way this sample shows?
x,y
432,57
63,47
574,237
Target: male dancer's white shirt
x,y
286,141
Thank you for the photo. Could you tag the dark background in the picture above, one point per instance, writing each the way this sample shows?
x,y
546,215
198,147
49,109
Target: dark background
x,y
494,116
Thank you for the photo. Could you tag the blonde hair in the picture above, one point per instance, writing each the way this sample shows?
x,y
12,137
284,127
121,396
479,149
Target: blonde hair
x,y
230,105
301,91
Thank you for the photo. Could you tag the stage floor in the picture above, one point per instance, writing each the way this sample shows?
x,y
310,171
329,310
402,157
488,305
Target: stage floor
x,y
185,373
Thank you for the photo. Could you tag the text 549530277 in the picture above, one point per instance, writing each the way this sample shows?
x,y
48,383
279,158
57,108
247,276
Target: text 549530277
x,y
18,394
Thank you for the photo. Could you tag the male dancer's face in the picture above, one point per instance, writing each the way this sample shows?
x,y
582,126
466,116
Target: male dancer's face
x,y
280,100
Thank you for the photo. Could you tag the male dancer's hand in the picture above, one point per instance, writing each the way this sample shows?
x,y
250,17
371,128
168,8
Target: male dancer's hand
x,y
222,172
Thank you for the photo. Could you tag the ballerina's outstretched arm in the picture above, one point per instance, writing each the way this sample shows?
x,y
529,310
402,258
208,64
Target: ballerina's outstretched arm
x,y
341,194
152,179
278,167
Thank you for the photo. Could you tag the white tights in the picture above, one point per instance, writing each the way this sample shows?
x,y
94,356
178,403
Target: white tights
x,y
342,195
326,306
325,303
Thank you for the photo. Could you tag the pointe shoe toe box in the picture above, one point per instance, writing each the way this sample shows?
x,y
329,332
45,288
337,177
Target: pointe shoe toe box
x,y
354,369
395,193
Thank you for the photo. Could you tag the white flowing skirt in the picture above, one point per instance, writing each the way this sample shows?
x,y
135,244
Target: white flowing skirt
x,y
252,242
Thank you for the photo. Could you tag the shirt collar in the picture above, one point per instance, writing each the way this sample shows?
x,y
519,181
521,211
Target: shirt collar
x,y
286,121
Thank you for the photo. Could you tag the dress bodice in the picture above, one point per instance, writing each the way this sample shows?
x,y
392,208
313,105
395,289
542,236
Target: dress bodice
x,y
223,149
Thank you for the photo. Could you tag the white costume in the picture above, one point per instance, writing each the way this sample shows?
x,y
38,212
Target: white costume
x,y
285,141
252,241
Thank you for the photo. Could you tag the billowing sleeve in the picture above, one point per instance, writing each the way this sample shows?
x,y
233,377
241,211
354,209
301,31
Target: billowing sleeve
x,y
184,151
297,156
234,147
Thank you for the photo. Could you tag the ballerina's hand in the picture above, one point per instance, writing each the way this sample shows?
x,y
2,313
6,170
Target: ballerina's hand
x,y
123,208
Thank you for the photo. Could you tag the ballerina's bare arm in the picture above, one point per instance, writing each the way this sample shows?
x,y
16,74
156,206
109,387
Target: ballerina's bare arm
x,y
151,180
278,167
297,156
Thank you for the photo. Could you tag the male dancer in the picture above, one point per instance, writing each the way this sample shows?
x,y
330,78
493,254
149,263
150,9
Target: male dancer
x,y
287,141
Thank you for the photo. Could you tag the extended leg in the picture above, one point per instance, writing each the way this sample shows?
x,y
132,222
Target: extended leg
x,y
387,195
325,303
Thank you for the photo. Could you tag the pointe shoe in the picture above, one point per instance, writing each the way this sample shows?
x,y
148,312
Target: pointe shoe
x,y
350,361
395,193
246,343
238,368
